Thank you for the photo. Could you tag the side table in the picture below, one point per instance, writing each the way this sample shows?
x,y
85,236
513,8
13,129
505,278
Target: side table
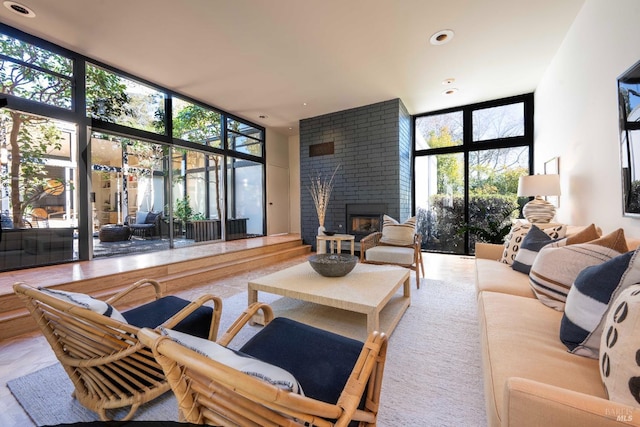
x,y
335,243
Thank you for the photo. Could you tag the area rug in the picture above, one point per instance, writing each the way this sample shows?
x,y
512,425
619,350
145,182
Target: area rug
x,y
432,377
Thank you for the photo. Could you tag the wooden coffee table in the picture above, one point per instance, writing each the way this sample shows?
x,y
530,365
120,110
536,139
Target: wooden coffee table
x,y
367,290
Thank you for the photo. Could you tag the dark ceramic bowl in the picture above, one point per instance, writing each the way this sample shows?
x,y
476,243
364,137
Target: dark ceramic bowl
x,y
333,265
329,233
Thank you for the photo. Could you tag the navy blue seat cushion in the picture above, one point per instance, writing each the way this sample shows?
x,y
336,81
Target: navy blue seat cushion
x,y
155,313
320,360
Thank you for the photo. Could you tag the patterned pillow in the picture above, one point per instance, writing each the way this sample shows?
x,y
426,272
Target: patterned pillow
x,y
394,233
589,298
620,348
242,362
536,239
86,301
514,239
556,268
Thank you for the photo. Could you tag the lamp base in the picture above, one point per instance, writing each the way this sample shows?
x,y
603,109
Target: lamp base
x,y
539,211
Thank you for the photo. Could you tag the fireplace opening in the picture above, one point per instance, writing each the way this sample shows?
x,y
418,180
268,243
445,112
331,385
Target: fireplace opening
x,y
364,219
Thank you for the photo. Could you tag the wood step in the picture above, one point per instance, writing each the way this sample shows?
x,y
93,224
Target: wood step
x,y
173,277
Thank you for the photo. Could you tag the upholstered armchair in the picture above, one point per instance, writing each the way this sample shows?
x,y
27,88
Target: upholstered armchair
x,y
397,245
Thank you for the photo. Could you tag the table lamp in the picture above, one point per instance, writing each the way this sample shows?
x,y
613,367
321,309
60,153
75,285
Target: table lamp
x,y
539,210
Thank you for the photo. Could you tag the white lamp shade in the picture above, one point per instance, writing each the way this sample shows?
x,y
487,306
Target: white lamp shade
x,y
539,185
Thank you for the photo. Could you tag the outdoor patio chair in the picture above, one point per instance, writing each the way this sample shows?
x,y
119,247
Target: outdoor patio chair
x,y
340,378
144,224
98,347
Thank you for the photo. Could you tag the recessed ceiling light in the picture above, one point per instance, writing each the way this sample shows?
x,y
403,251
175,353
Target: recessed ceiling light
x,y
450,91
304,104
448,81
441,37
19,9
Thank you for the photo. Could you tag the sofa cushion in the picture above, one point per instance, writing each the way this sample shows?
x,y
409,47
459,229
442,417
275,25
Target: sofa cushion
x,y
141,217
519,339
536,239
589,298
390,255
394,233
237,360
498,277
556,268
151,218
514,239
620,348
85,301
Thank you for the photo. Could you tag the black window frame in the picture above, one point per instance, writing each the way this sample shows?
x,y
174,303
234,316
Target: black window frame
x,y
469,145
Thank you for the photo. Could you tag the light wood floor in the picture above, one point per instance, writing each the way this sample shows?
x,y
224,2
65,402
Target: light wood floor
x,y
22,355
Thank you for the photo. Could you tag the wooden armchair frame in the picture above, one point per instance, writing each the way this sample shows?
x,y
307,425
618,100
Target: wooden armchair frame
x,y
209,392
103,357
373,240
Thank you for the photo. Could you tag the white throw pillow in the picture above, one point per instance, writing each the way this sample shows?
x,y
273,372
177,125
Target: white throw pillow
x,y
86,301
394,233
620,348
234,359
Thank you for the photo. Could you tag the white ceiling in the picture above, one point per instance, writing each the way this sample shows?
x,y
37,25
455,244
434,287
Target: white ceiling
x,y
269,57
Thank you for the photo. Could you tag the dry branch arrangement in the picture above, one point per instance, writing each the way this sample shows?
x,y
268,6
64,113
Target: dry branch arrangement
x,y
320,189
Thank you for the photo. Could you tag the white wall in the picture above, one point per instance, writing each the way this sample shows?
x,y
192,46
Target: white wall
x,y
294,183
278,205
576,113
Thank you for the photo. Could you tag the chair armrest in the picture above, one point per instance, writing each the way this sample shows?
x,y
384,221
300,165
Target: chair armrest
x,y
489,251
369,242
139,284
215,320
367,372
245,318
530,403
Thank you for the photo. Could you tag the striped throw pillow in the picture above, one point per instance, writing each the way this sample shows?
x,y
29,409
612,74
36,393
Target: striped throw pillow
x,y
394,233
555,269
589,298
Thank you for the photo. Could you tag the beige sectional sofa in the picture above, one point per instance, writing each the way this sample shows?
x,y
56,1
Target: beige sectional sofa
x,y
530,378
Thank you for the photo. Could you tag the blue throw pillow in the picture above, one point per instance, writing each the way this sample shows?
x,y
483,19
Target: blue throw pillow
x,y
533,242
589,298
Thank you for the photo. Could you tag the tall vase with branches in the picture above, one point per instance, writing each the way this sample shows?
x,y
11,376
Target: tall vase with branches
x,y
320,188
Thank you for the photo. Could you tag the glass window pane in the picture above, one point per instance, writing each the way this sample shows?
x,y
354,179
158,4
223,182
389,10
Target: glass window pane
x,y
631,171
115,99
504,121
38,197
244,138
35,74
245,215
442,130
493,188
194,123
630,94
440,201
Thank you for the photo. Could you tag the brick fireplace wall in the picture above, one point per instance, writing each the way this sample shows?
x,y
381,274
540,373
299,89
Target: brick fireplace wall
x,y
372,145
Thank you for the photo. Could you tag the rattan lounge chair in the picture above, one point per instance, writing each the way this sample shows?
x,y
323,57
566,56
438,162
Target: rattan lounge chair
x,y
106,363
340,377
409,256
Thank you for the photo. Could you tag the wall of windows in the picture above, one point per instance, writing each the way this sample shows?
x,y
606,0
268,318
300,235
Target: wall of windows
x,y
466,168
94,147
